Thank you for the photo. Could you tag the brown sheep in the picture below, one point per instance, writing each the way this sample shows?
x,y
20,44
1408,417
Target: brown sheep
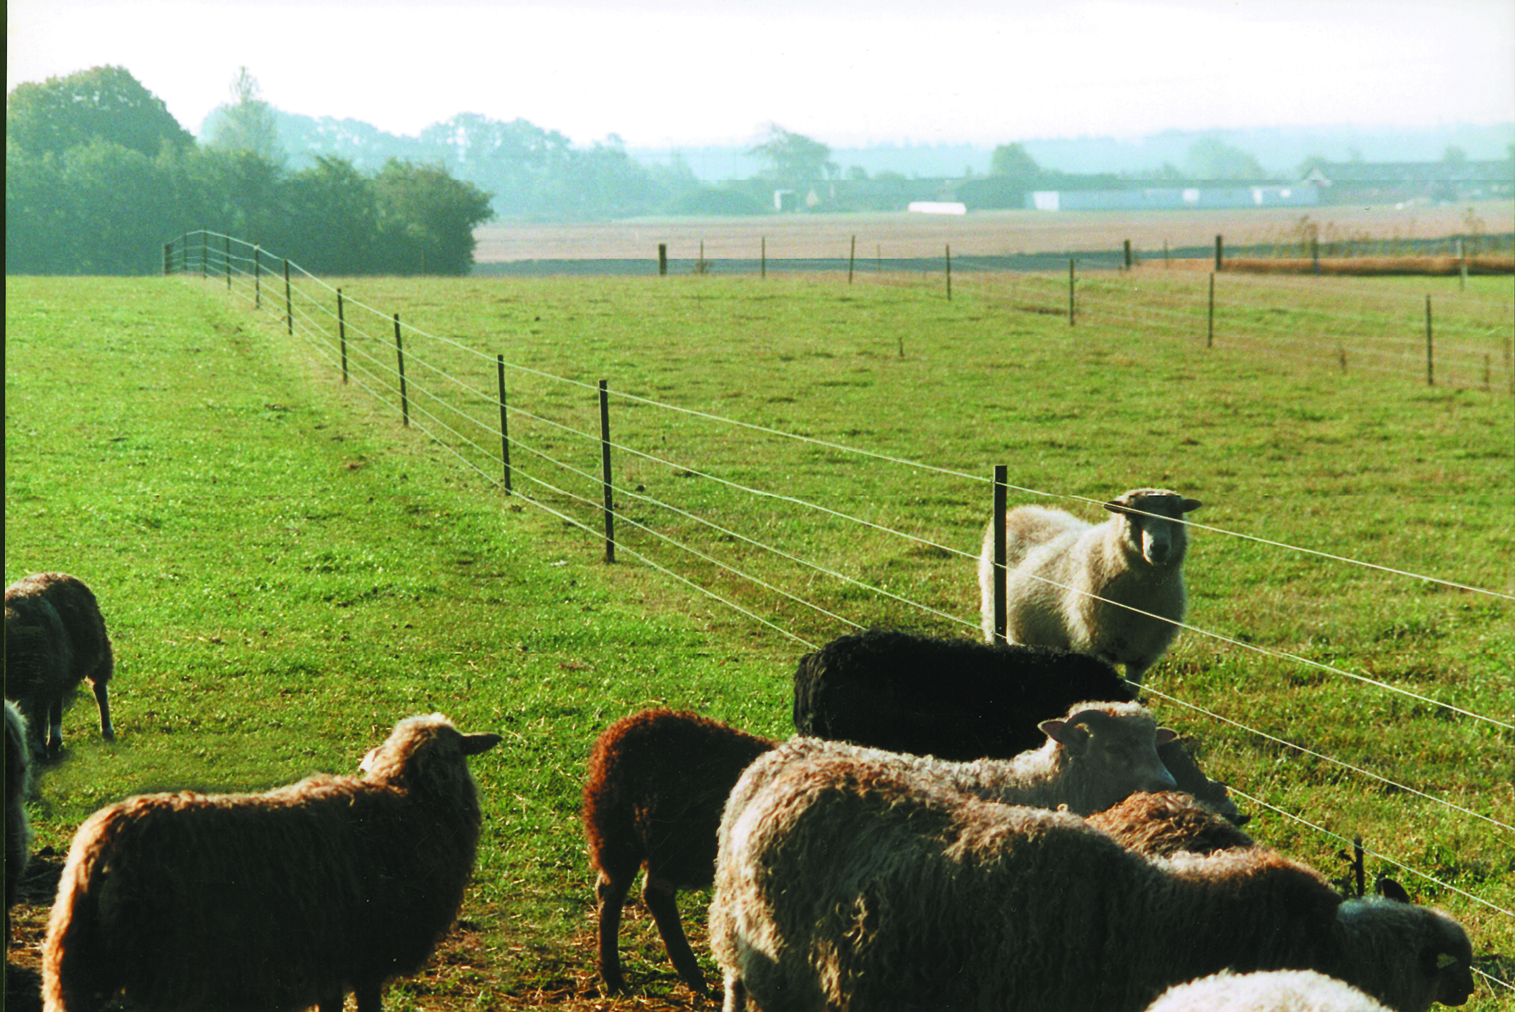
x,y
54,639
274,901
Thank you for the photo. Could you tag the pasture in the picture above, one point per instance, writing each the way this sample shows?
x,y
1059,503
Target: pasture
x,y
286,570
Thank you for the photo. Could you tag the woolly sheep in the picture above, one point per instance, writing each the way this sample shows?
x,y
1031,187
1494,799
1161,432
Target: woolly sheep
x,y
17,832
652,799
272,901
1094,757
54,639
957,699
1275,991
1166,823
1073,584
845,881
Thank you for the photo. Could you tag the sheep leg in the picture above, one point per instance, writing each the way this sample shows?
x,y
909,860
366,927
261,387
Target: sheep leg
x,y
102,700
735,999
659,895
610,896
54,727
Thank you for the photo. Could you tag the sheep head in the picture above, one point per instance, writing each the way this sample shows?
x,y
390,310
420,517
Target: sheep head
x,y
1154,526
1114,747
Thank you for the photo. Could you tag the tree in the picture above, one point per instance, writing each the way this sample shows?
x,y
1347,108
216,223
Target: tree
x,y
247,124
793,159
105,103
1013,161
1454,155
1213,158
426,218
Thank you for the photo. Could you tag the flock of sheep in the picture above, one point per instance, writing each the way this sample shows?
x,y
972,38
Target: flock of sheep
x,y
955,825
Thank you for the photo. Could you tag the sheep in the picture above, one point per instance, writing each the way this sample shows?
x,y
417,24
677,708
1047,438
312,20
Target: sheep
x,y
1165,823
274,901
54,639
1092,758
851,881
957,699
1072,584
653,797
1274,991
17,833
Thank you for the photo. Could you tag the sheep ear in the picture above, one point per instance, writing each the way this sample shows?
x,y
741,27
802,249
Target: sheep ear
x,y
1165,735
1065,732
473,744
1392,890
1189,505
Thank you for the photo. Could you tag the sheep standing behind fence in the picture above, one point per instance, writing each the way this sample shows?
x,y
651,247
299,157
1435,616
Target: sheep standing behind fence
x,y
1072,584
54,639
274,901
850,882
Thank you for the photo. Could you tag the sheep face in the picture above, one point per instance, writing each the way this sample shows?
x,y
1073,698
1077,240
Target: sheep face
x,y
1441,970
1153,523
1117,750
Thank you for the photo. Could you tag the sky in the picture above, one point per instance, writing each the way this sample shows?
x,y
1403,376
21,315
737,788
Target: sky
x,y
687,73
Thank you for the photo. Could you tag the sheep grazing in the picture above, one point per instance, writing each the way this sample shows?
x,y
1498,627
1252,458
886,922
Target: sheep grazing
x,y
274,901
957,699
55,639
17,833
1275,991
657,783
1166,823
1073,584
848,881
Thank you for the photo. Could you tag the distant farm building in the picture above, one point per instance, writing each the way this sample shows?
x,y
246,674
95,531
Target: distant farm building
x,y
1174,198
1401,182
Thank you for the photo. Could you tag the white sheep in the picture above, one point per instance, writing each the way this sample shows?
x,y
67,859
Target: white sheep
x,y
845,882
1093,758
1275,991
274,901
1072,584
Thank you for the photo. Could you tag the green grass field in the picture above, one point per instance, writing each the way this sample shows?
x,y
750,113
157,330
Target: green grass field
x,y
286,570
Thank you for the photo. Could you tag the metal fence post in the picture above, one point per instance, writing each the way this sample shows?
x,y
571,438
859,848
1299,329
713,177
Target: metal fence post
x,y
400,356
289,302
504,423
1001,620
342,333
605,470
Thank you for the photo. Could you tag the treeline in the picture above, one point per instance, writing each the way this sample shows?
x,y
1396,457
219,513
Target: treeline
x,y
99,175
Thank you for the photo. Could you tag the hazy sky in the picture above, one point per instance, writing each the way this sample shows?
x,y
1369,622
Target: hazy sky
x,y
664,73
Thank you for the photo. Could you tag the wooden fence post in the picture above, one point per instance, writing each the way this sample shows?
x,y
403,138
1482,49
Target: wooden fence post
x,y
605,471
1128,254
342,334
1218,253
662,258
400,356
1430,376
851,259
499,362
1070,291
949,272
1210,328
1001,621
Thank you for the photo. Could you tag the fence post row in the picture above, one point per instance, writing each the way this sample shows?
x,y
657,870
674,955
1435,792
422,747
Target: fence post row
x,y
400,356
605,470
1001,620
499,361
342,335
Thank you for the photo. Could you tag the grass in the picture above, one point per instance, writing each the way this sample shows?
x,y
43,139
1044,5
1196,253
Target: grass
x,y
286,570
